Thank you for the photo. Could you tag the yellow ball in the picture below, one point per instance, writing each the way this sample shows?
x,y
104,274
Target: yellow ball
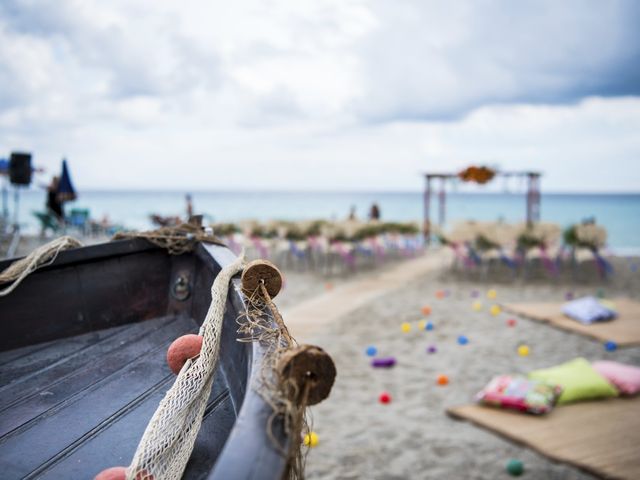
x,y
495,310
422,324
477,306
406,327
491,294
523,350
311,439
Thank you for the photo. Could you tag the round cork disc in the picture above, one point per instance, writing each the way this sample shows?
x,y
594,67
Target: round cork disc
x,y
261,270
308,363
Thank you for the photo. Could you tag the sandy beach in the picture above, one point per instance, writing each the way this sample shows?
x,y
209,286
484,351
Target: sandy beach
x,y
412,437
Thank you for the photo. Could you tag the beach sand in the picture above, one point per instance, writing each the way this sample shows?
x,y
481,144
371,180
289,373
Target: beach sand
x,y
412,437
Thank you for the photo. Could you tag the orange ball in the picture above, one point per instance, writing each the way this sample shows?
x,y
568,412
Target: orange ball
x,y
443,380
182,349
113,473
426,310
440,294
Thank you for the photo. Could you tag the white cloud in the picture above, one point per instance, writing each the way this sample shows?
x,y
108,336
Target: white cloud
x,y
337,94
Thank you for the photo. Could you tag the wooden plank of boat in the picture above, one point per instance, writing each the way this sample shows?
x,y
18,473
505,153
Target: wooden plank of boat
x,y
82,365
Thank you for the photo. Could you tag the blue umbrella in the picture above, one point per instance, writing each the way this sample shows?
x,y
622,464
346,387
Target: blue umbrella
x,y
66,192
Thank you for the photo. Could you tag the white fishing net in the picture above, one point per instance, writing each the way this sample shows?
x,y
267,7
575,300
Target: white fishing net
x,y
168,440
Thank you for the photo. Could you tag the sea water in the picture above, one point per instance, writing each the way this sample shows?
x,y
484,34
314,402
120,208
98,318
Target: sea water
x,y
618,213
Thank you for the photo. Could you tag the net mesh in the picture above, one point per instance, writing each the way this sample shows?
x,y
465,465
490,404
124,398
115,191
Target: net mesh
x,y
168,440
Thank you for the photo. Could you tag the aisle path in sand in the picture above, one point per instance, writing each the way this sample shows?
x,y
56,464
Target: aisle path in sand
x,y
306,318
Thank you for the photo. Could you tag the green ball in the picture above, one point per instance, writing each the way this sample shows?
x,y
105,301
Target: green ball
x,y
515,467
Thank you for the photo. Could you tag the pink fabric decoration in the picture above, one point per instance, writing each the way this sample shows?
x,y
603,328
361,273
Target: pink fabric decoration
x,y
626,378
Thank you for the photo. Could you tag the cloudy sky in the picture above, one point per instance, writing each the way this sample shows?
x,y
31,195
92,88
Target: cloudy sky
x,y
331,94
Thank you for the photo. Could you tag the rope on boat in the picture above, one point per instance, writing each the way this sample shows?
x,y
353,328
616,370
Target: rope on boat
x,y
293,376
40,257
168,440
176,240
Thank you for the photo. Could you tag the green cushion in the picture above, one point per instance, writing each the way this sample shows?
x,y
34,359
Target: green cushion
x,y
578,379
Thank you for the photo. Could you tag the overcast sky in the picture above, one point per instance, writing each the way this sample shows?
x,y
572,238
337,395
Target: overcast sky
x,y
331,94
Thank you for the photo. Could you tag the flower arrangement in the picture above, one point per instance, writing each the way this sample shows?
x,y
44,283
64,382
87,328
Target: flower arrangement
x,y
585,235
480,175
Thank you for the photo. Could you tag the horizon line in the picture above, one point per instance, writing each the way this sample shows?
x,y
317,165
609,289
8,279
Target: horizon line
x,y
337,191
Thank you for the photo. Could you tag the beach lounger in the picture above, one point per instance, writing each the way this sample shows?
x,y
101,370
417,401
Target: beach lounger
x,y
601,437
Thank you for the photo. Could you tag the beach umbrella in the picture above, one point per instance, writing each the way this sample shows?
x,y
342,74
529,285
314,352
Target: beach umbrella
x,y
66,192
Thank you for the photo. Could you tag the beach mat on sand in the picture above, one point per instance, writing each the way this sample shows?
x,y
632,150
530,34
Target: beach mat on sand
x,y
601,437
624,330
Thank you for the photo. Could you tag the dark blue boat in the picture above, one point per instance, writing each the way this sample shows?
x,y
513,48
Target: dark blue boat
x,y
82,365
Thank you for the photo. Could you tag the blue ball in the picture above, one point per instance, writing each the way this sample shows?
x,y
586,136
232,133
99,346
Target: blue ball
x,y
610,346
371,351
428,326
462,340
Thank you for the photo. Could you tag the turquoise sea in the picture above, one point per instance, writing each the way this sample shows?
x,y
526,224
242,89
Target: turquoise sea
x,y
619,213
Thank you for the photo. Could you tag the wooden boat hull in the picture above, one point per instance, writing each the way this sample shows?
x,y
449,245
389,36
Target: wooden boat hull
x,y
82,365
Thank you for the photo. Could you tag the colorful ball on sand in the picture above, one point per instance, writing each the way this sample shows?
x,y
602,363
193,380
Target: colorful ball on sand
x,y
495,310
429,326
422,324
477,306
475,294
610,346
515,467
385,397
386,362
406,327
511,322
432,349
442,380
182,349
491,294
328,286
426,310
523,351
311,439
440,294
462,340
371,350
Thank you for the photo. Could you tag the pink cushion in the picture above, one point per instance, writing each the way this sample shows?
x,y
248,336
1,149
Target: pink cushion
x,y
626,378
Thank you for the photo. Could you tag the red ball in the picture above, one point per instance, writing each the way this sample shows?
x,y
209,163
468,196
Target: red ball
x,y
182,349
511,322
113,473
385,398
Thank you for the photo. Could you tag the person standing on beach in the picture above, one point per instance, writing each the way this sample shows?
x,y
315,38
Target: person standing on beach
x,y
54,205
374,213
189,206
